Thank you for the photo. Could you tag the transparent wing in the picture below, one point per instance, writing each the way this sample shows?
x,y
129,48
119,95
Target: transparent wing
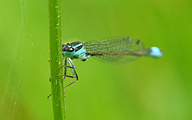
x,y
114,45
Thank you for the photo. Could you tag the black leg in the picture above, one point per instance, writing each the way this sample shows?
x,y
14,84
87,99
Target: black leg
x,y
72,67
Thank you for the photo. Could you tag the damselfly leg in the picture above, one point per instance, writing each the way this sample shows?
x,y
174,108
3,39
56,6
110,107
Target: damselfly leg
x,y
72,66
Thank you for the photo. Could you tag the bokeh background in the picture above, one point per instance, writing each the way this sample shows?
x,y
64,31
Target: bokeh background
x,y
146,89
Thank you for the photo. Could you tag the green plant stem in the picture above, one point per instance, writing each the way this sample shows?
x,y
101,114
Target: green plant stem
x,y
56,59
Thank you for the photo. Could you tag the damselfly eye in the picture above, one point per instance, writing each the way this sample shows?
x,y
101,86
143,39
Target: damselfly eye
x,y
63,47
69,49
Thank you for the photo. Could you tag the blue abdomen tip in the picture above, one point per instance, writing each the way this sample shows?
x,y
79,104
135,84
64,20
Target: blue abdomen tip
x,y
156,52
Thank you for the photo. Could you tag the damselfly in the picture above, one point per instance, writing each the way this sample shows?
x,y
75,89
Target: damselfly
x,y
112,50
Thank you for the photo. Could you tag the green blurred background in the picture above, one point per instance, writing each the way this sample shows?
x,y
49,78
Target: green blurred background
x,y
146,89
